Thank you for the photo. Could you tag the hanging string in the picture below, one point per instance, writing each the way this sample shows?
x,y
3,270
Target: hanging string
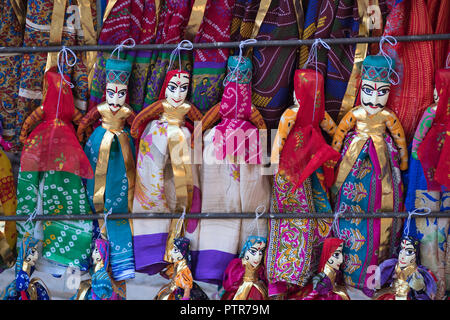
x,y
182,45
312,58
105,226
64,52
123,45
335,224
393,42
234,73
417,213
260,210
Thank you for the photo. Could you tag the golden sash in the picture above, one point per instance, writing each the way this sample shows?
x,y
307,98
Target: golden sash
x,y
249,280
180,158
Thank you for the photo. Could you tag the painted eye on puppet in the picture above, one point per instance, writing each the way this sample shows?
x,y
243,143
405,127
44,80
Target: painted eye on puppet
x,y
184,88
110,93
383,92
171,87
367,91
122,93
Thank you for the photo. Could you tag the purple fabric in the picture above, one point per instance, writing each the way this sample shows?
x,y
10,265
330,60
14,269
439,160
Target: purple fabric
x,y
149,252
103,248
209,265
387,269
324,286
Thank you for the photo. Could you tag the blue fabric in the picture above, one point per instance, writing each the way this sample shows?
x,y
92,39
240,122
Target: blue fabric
x,y
116,198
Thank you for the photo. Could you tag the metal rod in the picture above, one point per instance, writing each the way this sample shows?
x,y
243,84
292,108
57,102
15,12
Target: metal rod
x,y
217,45
249,215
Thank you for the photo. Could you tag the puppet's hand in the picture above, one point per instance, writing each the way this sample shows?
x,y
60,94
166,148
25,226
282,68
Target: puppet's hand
x,y
416,281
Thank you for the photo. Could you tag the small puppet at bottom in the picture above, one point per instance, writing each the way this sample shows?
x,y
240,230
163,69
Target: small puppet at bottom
x,y
244,277
403,277
181,285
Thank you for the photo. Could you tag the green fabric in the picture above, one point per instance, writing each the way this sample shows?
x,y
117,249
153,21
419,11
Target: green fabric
x,y
65,242
118,71
376,68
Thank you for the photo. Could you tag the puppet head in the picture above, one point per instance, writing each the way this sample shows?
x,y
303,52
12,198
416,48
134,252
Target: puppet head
x,y
175,87
117,75
332,254
253,250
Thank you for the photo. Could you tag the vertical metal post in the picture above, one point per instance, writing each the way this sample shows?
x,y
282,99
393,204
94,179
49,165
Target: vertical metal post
x,y
99,16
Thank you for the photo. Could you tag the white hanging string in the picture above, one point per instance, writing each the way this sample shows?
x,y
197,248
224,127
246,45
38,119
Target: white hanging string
x,y
260,210
182,45
233,73
335,224
64,52
393,42
105,226
123,45
417,213
312,58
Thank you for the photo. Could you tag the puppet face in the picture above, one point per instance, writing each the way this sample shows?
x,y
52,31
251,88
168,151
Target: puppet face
x,y
96,257
177,89
374,95
336,259
255,253
407,255
176,254
116,95
435,95
32,256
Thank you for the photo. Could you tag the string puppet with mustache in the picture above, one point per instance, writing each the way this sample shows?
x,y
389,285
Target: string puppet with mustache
x,y
368,176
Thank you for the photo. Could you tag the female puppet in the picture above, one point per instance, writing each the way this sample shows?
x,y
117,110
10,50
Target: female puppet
x,y
244,278
405,278
8,203
368,178
422,188
300,185
23,286
181,285
233,178
50,179
166,177
110,150
328,283
100,286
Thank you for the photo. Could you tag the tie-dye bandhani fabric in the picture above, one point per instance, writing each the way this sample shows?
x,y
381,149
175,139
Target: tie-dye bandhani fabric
x,y
244,14
210,64
274,66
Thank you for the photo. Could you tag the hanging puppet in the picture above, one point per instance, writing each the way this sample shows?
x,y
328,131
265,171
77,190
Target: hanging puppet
x,y
181,285
23,287
167,180
244,278
110,150
100,286
328,283
50,179
300,185
427,186
368,178
232,174
404,278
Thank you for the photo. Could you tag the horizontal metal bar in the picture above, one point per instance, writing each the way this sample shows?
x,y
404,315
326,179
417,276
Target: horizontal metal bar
x,y
217,45
245,215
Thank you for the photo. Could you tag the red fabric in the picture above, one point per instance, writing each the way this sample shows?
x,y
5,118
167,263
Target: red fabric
x,y
169,75
329,247
53,144
434,151
414,63
233,279
24,296
305,149
235,135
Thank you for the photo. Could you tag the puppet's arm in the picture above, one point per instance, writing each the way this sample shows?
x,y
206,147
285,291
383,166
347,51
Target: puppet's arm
x,y
398,134
424,125
90,117
347,123
328,125
194,114
257,119
141,120
131,118
36,116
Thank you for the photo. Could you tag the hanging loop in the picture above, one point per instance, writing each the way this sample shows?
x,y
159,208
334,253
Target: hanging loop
x,y
393,42
123,45
182,45
64,52
416,213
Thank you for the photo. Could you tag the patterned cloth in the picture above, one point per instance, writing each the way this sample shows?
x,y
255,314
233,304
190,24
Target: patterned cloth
x,y
210,64
274,66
